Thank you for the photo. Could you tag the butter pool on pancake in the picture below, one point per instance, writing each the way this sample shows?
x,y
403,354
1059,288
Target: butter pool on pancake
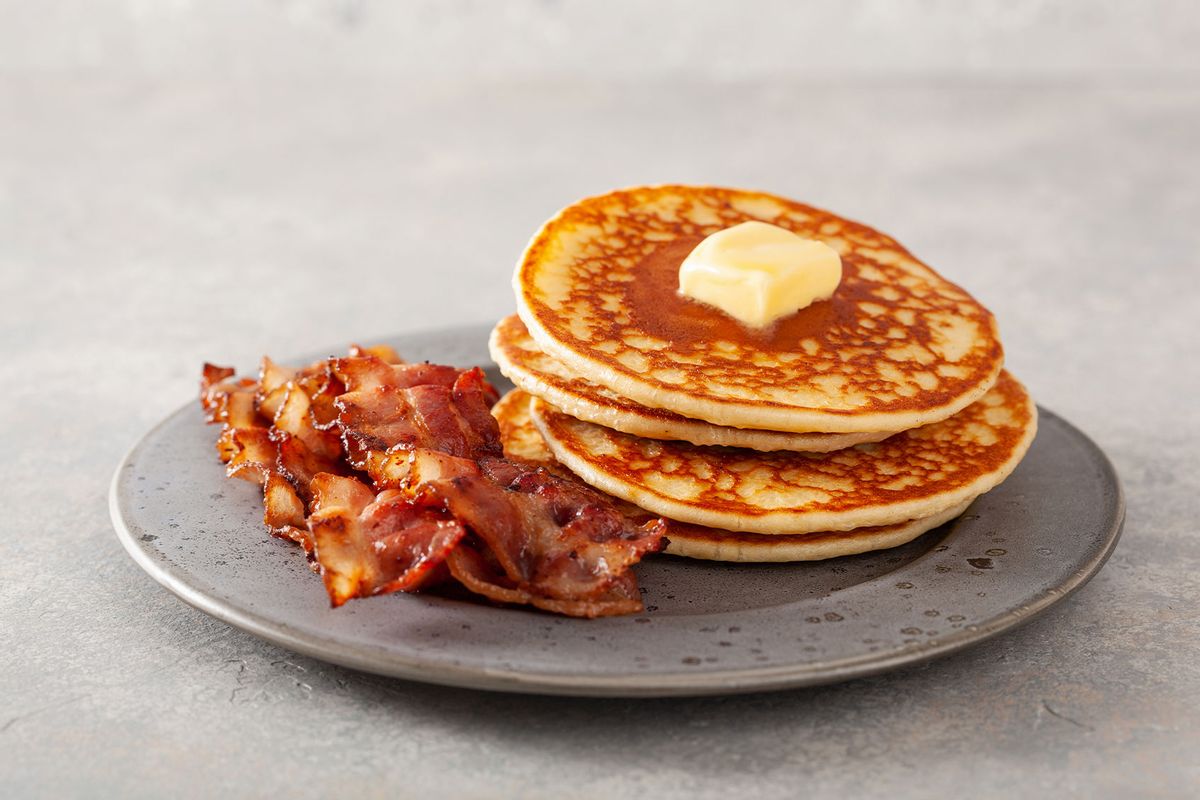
x,y
896,345
522,440
912,475
524,363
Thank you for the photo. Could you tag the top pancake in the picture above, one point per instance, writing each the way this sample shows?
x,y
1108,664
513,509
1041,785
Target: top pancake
x,y
897,346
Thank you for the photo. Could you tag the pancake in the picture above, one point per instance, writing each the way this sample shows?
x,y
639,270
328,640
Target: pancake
x,y
912,475
523,362
897,346
712,544
523,441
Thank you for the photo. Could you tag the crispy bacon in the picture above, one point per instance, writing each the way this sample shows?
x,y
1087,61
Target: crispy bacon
x,y
278,457
368,544
226,399
283,511
383,352
473,398
299,465
472,567
273,381
322,393
414,405
442,501
366,372
253,455
551,539
294,416
304,450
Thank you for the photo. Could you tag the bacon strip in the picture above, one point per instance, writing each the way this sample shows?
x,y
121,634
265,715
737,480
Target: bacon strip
x,y
414,405
558,543
266,425
381,351
368,544
468,566
222,394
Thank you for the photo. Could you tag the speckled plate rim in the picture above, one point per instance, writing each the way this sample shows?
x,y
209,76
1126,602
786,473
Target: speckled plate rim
x,y
390,663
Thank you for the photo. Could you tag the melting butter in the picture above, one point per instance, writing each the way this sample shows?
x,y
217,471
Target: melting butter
x,y
757,272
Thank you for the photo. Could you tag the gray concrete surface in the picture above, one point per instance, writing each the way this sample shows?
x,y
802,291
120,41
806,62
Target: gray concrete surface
x,y
188,181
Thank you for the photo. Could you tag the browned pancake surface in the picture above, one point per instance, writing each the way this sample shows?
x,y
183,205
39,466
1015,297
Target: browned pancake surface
x,y
524,363
522,440
896,345
911,475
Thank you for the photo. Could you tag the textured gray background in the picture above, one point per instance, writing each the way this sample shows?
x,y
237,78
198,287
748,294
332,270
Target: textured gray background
x,y
182,181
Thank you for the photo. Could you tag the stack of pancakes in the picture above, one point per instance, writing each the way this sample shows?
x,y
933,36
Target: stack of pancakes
x,y
856,423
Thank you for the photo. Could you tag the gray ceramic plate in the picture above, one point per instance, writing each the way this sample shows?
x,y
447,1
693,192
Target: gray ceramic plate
x,y
708,628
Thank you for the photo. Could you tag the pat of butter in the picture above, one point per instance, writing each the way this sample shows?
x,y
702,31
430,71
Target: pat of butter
x,y
757,272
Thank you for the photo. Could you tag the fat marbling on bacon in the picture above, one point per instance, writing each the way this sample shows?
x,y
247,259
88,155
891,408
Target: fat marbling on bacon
x,y
392,477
